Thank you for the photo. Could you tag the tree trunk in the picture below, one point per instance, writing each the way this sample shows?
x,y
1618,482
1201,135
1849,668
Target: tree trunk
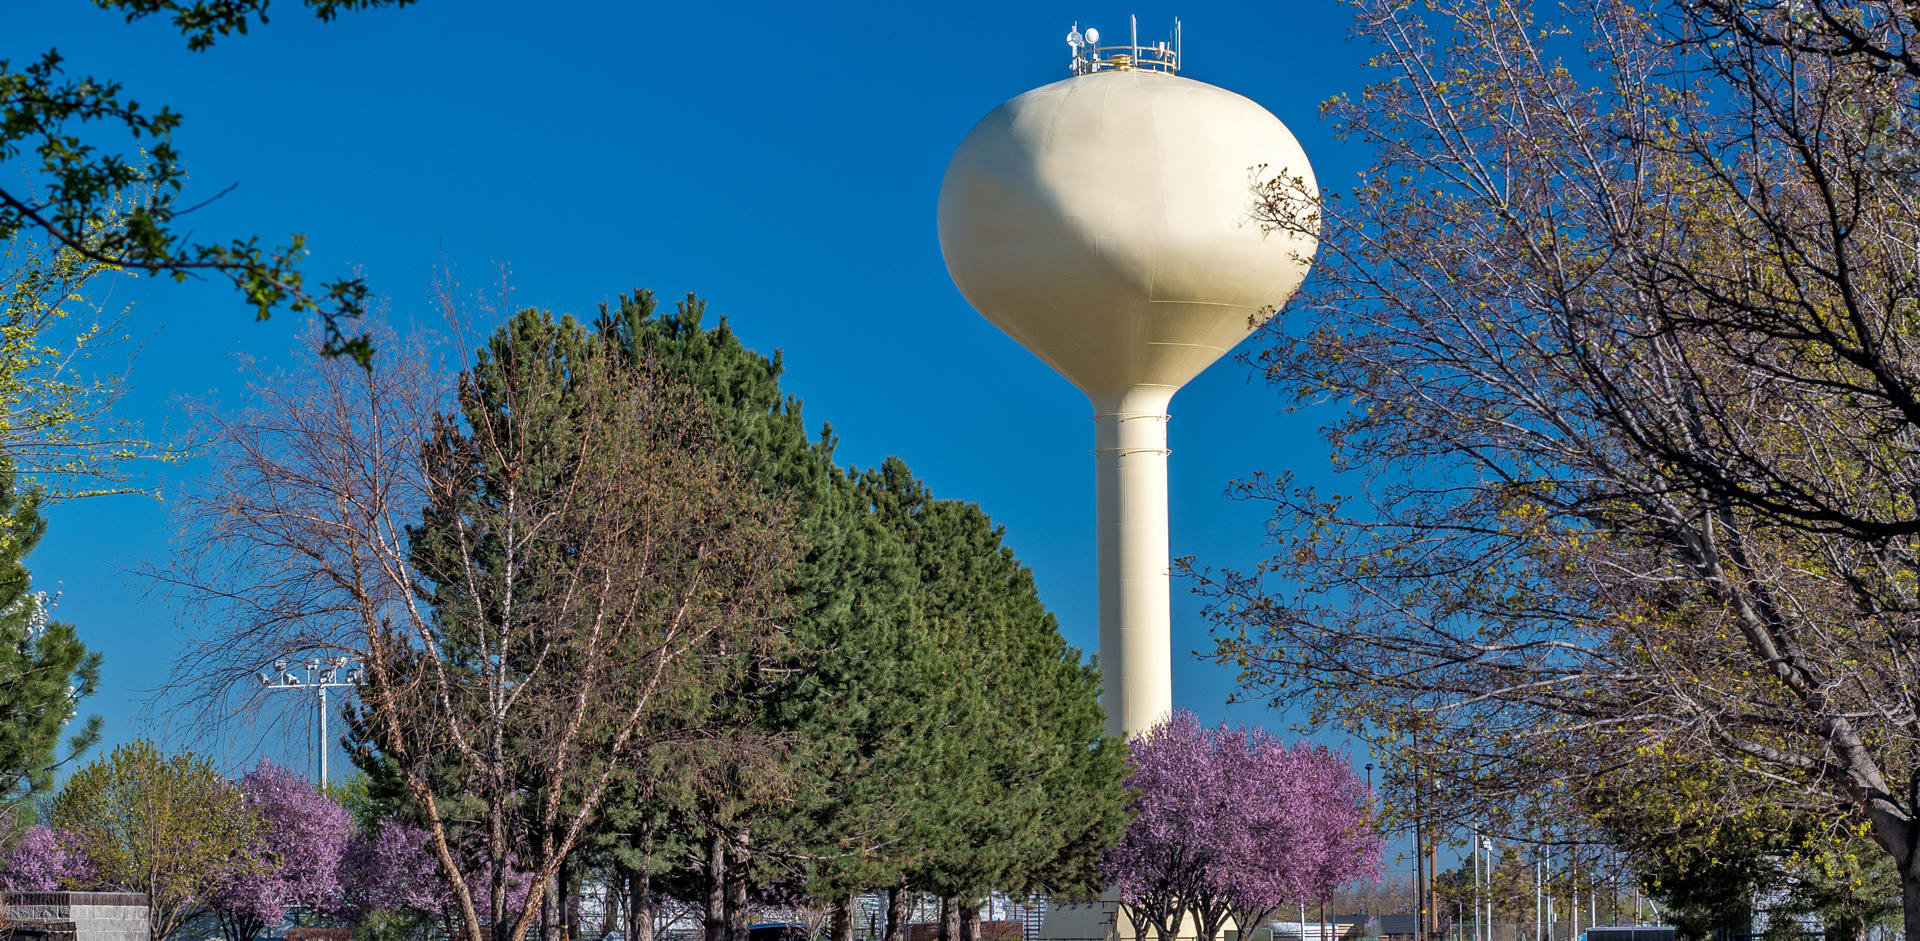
x,y
550,909
842,927
639,906
1208,919
1169,920
949,918
737,908
969,921
1910,897
569,901
896,913
716,920
613,915
1248,921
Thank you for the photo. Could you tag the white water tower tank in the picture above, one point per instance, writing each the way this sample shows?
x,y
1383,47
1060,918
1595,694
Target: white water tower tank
x,y
1106,223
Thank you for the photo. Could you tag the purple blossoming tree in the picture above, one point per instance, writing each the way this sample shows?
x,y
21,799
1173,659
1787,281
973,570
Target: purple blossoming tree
x,y
1161,863
40,863
395,869
1264,862
1233,823
1332,821
294,862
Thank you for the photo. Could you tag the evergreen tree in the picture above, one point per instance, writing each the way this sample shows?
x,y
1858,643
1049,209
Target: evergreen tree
x,y
751,415
869,697
1029,791
842,698
938,730
44,668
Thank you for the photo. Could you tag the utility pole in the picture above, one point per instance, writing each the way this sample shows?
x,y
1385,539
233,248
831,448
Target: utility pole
x,y
1420,929
322,675
1433,889
1573,880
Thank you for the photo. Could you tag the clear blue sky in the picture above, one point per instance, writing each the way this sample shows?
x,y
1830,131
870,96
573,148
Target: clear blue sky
x,y
781,160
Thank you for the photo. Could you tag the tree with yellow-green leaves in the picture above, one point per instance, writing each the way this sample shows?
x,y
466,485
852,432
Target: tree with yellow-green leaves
x,y
1620,341
168,826
64,361
1708,865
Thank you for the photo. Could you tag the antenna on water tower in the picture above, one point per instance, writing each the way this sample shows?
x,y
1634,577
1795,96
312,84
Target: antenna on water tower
x,y
1163,56
1106,223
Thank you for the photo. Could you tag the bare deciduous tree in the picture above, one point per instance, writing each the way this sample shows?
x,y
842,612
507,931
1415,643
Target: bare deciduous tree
x,y
1625,353
544,568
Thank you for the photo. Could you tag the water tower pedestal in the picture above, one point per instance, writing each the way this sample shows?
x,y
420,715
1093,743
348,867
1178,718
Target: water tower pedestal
x,y
1136,626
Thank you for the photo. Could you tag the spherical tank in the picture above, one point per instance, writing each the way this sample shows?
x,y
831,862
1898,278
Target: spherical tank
x,y
1106,223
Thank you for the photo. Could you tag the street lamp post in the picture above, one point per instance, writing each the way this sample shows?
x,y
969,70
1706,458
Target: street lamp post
x,y
1423,930
322,675
1481,931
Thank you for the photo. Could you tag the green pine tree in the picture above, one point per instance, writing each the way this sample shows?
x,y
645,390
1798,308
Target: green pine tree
x,y
936,728
1029,789
859,694
541,392
46,670
744,816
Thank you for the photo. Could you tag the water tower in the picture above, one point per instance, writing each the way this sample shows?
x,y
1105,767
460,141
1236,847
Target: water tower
x,y
1105,222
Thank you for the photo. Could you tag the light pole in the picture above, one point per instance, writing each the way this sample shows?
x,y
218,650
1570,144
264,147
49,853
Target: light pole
x,y
1546,871
1539,913
1486,843
322,675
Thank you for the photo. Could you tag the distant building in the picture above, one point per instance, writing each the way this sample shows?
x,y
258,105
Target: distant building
x,y
1629,933
1398,926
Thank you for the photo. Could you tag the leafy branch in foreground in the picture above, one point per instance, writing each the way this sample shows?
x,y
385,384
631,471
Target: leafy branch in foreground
x,y
56,422
73,188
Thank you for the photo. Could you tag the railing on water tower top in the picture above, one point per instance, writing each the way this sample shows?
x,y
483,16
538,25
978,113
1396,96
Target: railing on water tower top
x,y
1089,56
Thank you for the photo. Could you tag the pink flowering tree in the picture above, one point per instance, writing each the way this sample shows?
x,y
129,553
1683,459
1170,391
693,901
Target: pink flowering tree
x,y
1233,823
1333,826
1265,864
1161,863
395,870
295,861
40,862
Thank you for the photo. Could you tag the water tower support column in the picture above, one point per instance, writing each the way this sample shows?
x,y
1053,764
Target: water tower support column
x,y
1135,601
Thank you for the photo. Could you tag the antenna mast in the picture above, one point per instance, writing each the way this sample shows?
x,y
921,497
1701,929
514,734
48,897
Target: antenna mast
x,y
1162,56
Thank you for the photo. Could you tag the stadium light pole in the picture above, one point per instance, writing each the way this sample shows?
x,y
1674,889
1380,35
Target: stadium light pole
x,y
321,675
